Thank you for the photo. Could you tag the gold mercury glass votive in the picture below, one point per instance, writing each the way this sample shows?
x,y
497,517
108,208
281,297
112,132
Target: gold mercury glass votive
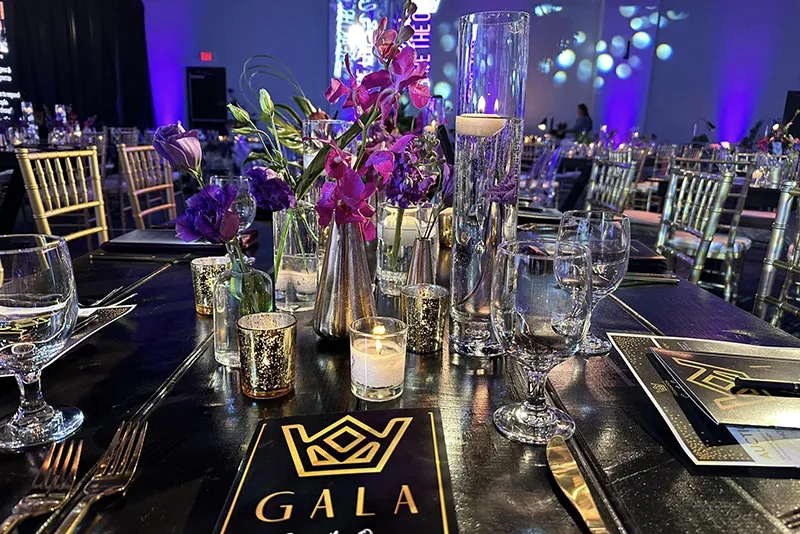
x,y
204,273
268,354
377,358
425,310
446,228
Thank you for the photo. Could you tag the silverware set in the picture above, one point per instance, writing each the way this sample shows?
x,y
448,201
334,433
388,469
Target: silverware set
x,y
791,519
53,485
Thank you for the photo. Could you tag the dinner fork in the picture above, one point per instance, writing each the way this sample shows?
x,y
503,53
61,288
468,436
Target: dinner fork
x,y
791,519
51,486
114,473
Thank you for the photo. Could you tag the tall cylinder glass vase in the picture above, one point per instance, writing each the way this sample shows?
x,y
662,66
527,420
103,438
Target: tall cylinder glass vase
x,y
492,68
240,291
295,237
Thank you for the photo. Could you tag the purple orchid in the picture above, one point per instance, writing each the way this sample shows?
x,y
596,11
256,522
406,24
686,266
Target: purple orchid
x,y
180,148
384,40
448,186
208,215
270,192
358,95
346,201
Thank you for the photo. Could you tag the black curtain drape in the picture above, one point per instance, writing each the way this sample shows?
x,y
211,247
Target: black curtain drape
x,y
90,54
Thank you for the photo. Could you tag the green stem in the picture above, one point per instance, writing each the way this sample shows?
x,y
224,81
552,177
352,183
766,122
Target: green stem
x,y
398,234
432,222
197,176
300,244
282,242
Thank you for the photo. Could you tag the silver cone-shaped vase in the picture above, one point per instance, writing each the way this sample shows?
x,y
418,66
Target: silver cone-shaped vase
x,y
345,285
421,267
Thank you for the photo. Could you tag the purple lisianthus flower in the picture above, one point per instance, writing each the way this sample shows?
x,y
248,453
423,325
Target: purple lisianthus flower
x,y
208,215
269,190
413,175
504,193
180,148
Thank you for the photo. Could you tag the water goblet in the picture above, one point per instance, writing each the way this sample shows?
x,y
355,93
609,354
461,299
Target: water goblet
x,y
38,310
539,310
244,205
607,235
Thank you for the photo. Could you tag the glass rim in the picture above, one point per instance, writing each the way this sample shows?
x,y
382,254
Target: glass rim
x,y
506,247
215,260
53,241
412,291
606,215
292,321
402,327
508,16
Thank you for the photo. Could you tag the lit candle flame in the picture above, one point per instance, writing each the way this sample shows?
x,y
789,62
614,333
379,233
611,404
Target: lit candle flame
x,y
481,105
379,346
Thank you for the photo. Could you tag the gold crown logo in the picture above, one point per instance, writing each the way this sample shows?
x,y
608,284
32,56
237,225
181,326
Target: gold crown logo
x,y
346,447
721,380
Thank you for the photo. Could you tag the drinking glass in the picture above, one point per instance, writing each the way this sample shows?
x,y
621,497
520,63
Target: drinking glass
x,y
541,294
244,205
607,235
38,310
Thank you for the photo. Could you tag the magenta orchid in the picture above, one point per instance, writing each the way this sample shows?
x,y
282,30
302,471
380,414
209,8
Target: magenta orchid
x,y
347,201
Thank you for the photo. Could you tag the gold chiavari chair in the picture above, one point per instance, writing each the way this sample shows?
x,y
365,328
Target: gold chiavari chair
x,y
123,135
783,256
146,173
698,223
65,183
611,181
99,140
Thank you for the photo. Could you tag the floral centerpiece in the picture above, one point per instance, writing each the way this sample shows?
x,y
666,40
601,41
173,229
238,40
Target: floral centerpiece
x,y
780,141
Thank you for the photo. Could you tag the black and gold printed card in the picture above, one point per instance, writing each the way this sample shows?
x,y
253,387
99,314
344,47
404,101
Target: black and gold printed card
x,y
378,472
708,378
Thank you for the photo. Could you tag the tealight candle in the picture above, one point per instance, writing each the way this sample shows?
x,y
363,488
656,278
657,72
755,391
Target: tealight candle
x,y
479,124
377,358
205,272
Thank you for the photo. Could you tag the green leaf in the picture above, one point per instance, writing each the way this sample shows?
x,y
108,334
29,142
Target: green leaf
x,y
238,113
305,105
265,101
243,131
292,112
256,156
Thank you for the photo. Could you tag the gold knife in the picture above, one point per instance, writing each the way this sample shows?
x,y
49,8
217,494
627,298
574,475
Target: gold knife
x,y
571,481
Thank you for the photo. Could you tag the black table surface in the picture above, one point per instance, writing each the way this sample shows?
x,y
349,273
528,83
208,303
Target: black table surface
x,y
157,363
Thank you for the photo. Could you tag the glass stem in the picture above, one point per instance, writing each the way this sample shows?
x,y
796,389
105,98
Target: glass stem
x,y
536,400
31,400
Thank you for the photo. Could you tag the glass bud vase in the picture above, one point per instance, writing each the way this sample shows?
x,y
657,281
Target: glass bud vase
x,y
237,292
489,125
396,240
295,238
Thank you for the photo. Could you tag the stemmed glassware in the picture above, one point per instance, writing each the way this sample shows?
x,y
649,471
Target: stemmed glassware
x,y
38,310
607,235
244,205
540,301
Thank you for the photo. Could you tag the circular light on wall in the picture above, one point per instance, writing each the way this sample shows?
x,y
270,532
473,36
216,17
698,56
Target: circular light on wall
x,y
580,37
490,60
624,71
585,70
605,63
628,11
600,47
444,27
641,40
617,46
450,72
443,89
653,18
599,82
663,52
637,24
448,42
565,59
560,77
635,62
676,15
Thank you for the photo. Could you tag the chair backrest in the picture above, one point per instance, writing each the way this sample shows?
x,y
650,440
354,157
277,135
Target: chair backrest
x,y
663,158
695,203
146,173
124,136
780,258
61,183
611,181
99,140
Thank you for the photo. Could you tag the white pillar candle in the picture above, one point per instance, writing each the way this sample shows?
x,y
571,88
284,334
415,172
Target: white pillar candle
x,y
479,124
377,364
408,232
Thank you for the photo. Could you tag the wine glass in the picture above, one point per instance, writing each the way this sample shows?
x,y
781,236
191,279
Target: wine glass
x,y
607,235
38,310
541,296
244,205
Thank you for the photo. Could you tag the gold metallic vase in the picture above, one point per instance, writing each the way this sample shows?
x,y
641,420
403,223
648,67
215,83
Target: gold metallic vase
x,y
446,228
268,354
345,286
421,267
205,272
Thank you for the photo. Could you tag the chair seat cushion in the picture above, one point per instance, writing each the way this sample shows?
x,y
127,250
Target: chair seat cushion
x,y
645,218
687,243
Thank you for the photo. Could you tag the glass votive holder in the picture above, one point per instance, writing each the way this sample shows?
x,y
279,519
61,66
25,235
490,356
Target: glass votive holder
x,y
205,272
425,310
377,358
268,354
446,228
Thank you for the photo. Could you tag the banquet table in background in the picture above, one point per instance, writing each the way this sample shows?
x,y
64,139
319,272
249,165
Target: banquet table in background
x,y
157,363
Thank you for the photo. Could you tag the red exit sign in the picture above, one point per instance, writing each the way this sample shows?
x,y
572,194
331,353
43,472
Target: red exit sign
x,y
206,56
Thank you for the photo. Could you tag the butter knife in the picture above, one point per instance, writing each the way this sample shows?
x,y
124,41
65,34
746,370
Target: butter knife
x,y
570,480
